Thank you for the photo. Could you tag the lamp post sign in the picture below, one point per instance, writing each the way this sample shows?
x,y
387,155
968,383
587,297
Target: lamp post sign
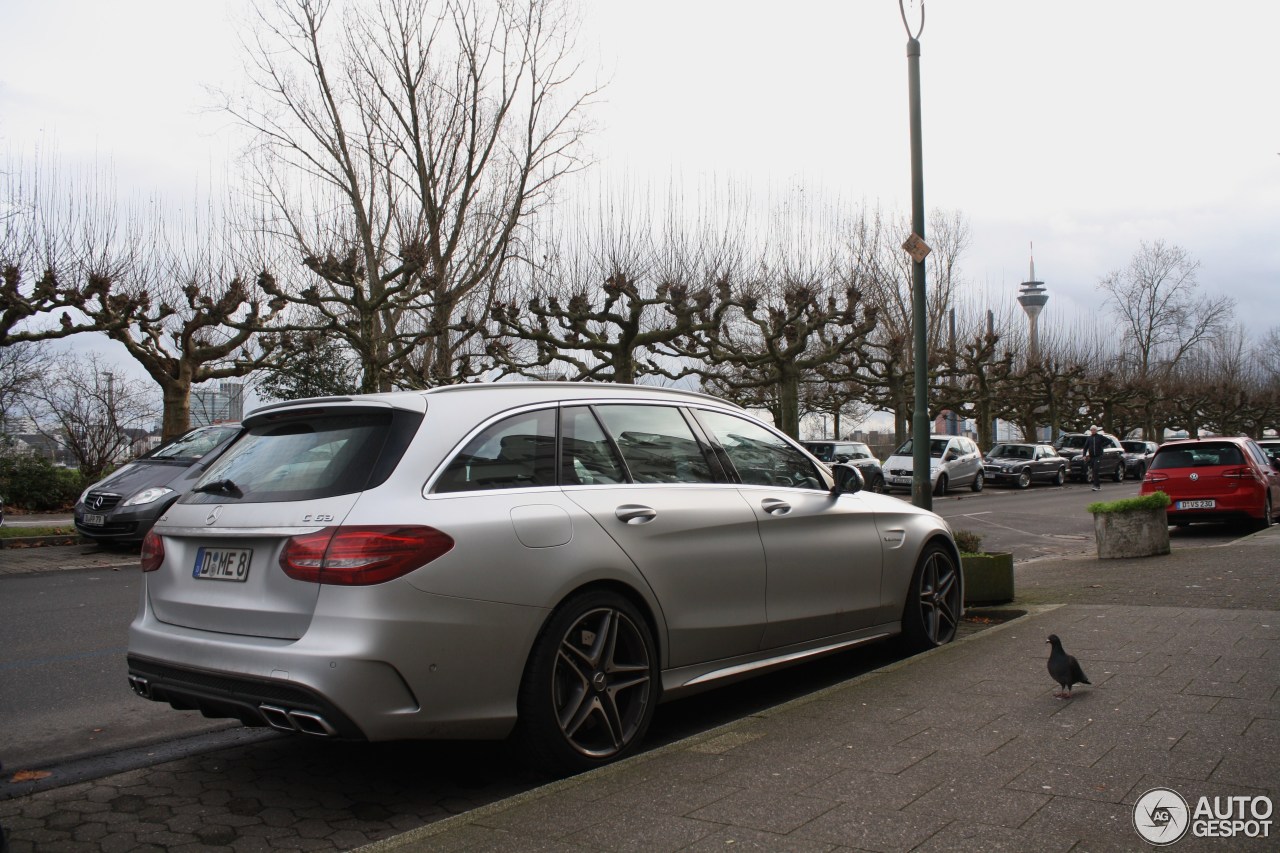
x,y
917,248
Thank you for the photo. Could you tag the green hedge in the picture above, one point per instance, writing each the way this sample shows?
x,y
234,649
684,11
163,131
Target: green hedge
x,y
1155,500
34,483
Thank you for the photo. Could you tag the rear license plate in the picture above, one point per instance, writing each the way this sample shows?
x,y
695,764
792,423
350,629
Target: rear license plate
x,y
95,520
222,564
1196,504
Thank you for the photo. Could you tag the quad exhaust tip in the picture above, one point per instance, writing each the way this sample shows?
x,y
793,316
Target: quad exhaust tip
x,y
304,722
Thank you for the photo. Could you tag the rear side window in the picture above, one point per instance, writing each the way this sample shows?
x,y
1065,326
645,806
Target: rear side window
x,y
587,458
308,457
515,453
657,444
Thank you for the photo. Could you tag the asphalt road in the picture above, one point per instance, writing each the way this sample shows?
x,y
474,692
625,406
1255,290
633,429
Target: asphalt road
x,y
65,693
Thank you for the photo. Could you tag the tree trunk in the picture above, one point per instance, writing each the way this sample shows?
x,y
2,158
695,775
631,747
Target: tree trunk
x,y
176,420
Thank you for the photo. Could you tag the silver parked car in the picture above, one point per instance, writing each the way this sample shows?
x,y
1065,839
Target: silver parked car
x,y
548,559
953,461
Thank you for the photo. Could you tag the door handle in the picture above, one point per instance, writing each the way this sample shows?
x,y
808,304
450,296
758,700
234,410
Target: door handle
x,y
773,506
635,513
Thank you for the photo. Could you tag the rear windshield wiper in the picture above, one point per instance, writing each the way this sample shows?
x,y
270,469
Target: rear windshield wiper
x,y
220,487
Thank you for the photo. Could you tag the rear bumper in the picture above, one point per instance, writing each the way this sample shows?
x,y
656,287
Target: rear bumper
x,y
417,666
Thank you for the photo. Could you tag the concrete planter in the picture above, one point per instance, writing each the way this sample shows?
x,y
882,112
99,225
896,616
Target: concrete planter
x,y
1132,533
988,578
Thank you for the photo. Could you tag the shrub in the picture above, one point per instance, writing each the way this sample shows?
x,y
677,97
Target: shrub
x,y
36,484
968,542
1155,500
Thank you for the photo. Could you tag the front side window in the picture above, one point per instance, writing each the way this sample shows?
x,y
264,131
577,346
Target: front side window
x,y
518,452
656,443
761,457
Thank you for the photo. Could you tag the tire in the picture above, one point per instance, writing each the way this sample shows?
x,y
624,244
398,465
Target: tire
x,y
941,487
1024,479
1267,513
1118,476
934,606
1140,472
1061,477
590,687
979,480
878,485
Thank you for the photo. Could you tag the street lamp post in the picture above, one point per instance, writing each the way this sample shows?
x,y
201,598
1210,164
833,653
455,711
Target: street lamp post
x,y
921,487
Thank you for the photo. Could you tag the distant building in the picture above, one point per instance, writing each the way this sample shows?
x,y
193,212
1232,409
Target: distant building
x,y
218,403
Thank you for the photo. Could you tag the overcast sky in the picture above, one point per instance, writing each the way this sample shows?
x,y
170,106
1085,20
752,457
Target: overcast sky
x,y
1083,126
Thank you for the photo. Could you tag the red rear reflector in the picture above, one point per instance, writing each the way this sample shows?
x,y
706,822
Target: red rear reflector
x,y
152,552
360,556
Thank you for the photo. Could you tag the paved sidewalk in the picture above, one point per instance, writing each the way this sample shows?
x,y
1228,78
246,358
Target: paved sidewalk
x,y
965,748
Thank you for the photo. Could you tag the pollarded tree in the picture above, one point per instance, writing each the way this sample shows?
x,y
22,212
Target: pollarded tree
x,y
400,151
60,252
762,340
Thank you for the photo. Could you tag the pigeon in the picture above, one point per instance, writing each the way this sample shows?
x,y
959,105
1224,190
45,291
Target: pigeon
x,y
1064,668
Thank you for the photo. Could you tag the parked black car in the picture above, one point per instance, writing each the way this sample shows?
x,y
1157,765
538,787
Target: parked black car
x,y
1023,464
856,454
122,507
1137,457
1071,445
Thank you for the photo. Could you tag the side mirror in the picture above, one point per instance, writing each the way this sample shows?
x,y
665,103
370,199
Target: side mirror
x,y
848,480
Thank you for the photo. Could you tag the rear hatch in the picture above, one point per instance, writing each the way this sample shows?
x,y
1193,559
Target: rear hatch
x,y
296,472
1201,474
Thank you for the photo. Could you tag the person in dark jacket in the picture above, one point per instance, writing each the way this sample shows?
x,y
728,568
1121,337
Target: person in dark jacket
x,y
1094,445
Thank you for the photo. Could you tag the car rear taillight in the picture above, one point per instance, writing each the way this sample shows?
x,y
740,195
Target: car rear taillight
x,y
1240,473
1155,477
360,556
152,552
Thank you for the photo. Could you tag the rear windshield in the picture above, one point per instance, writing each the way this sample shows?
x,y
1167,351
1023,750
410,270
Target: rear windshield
x,y
1208,455
1134,446
1073,442
1014,451
195,444
308,457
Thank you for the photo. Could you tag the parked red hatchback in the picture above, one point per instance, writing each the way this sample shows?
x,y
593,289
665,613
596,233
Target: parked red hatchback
x,y
1215,479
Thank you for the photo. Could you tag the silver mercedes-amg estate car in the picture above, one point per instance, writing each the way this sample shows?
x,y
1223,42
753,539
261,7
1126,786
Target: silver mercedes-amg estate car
x,y
543,560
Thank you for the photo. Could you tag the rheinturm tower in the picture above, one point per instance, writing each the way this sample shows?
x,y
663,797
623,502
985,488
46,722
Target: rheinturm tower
x,y
1032,300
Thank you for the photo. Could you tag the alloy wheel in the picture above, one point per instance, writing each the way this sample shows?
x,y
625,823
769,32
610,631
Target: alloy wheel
x,y
601,683
938,597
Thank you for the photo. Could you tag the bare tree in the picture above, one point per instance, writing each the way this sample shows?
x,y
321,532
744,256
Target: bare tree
x,y
92,411
1163,316
22,365
875,245
400,151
